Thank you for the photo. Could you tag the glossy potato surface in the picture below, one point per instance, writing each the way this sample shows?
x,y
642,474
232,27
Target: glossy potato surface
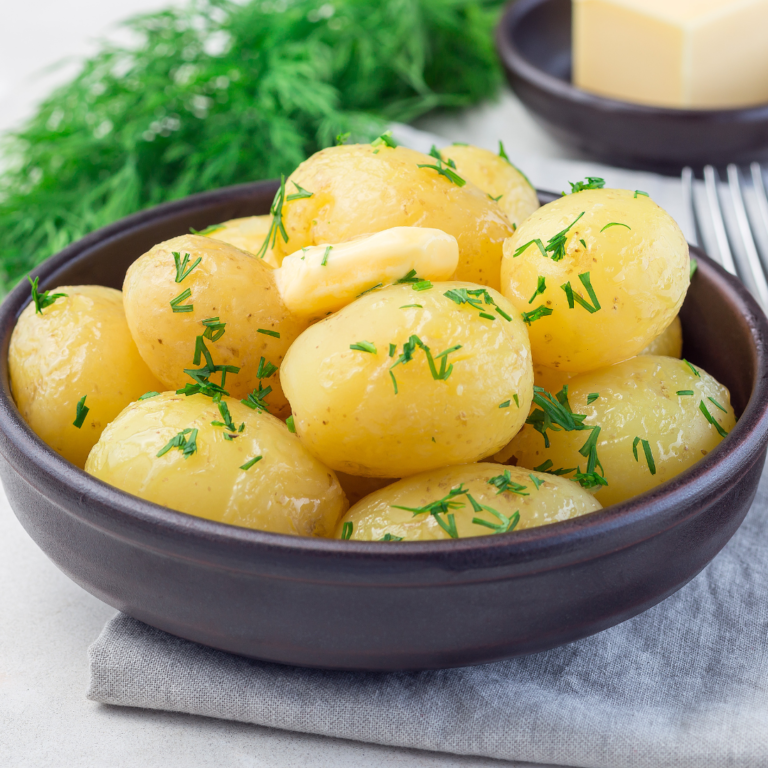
x,y
360,189
227,283
497,177
555,499
287,491
637,398
669,343
344,403
248,234
80,345
638,265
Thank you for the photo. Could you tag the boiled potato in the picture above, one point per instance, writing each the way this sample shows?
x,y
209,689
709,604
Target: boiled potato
x,y
227,284
247,234
628,250
356,487
318,280
366,401
516,500
669,343
206,475
497,177
644,398
78,346
550,379
361,189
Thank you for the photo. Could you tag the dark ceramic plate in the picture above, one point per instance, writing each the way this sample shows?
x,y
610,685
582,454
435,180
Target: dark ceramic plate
x,y
534,42
376,606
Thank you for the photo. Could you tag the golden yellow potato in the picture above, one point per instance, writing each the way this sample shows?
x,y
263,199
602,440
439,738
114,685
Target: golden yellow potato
x,y
356,487
227,284
644,398
446,503
361,189
497,177
550,379
367,401
669,343
206,475
79,346
247,234
614,276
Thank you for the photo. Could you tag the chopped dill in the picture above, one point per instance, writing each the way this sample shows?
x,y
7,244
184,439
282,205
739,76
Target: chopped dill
x,y
44,299
81,412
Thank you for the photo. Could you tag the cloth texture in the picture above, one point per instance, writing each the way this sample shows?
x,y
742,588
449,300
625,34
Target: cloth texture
x,y
683,685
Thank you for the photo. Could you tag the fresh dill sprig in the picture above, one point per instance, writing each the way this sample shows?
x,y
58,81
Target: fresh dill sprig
x,y
346,530
214,329
185,441
504,482
591,182
555,247
647,451
81,412
536,314
248,464
255,401
44,299
572,296
209,230
182,270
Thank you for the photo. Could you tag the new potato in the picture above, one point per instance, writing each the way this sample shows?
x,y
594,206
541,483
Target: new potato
x,y
227,283
669,343
360,189
637,398
287,491
344,403
79,345
636,260
497,177
247,234
555,499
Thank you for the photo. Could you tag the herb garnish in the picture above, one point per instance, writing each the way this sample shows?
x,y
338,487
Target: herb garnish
x,y
505,524
536,481
227,423
265,369
574,297
412,306
364,346
591,182
182,268
591,397
441,507
214,329
81,412
444,169
717,405
202,375
422,285
324,261
248,464
346,530
176,304
276,225
541,286
410,346
504,482
712,420
536,314
44,299
342,138
648,454
495,199
185,441
210,229
266,332
684,392
390,537
516,399
555,245
291,424
147,395
385,140
615,224
472,297
411,277
505,404
694,265
693,370
639,192
255,401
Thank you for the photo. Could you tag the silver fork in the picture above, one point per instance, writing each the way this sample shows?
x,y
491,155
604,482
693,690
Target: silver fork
x,y
726,229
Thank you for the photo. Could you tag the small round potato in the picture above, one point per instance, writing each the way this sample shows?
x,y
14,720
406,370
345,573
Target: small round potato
x,y
497,177
669,343
79,345
366,399
227,284
361,189
206,475
247,234
550,378
643,399
614,276
507,497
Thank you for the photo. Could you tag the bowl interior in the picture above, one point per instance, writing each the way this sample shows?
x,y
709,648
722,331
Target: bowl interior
x,y
543,36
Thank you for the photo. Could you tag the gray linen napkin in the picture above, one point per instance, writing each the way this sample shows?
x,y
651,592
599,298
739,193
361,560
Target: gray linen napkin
x,y
684,685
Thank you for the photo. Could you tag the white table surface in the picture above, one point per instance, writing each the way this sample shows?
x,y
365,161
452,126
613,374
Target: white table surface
x,y
46,621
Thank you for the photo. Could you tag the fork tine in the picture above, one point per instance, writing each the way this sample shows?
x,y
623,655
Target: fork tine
x,y
754,267
721,237
688,180
762,196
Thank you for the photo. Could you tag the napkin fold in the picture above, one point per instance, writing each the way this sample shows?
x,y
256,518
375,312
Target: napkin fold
x,y
684,685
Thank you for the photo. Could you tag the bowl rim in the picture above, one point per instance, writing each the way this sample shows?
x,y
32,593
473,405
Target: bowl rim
x,y
531,550
514,59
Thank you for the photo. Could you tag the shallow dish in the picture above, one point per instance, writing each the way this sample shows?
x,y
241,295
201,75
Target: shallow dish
x,y
534,42
384,606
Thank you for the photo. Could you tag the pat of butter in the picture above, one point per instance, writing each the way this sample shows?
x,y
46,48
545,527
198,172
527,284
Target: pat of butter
x,y
693,54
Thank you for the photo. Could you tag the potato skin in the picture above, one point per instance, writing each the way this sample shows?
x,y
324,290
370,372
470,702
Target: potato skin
x,y
343,400
248,234
360,189
228,284
638,398
555,499
287,491
669,343
495,176
80,345
639,275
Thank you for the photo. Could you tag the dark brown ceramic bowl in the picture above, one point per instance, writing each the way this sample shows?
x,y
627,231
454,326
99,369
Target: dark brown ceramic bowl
x,y
377,606
534,42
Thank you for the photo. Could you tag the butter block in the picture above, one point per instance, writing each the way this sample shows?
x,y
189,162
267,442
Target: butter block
x,y
691,54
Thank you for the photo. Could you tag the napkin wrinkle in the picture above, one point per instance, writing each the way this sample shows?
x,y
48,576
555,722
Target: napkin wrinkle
x,y
683,685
